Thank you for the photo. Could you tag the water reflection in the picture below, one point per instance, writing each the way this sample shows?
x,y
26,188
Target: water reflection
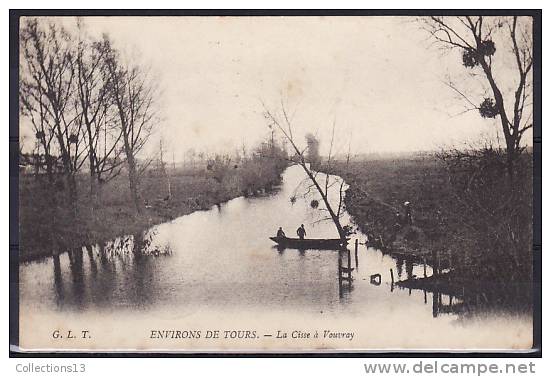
x,y
58,280
77,275
448,299
345,270
97,271
412,267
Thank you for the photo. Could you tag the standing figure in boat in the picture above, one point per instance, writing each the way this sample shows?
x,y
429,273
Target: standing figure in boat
x,y
280,233
301,232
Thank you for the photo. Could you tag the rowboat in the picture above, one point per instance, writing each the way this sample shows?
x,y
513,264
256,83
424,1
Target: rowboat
x,y
310,243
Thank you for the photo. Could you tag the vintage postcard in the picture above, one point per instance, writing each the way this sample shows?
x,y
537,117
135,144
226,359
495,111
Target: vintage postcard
x,y
276,183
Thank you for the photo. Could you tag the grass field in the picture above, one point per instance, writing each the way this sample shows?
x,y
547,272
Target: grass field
x,y
379,188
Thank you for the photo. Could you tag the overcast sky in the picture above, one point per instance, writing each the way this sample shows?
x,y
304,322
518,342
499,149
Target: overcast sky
x,y
377,77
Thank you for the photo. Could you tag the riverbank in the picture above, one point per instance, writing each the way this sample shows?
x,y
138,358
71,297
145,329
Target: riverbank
x,y
462,235
47,226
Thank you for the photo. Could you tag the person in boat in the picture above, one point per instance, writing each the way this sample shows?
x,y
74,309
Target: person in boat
x,y
281,233
301,232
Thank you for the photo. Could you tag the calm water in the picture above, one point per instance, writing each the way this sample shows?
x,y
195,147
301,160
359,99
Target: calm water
x,y
222,260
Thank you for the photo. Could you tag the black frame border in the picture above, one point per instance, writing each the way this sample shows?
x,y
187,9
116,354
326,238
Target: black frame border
x,y
14,17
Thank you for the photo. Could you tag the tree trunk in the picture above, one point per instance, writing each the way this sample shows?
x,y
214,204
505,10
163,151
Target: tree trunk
x,y
511,157
72,191
91,162
509,138
133,182
49,168
334,217
94,187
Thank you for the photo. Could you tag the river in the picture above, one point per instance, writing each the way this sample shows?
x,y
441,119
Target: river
x,y
217,270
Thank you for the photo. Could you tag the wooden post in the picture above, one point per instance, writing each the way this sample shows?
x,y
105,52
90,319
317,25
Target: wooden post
x,y
340,270
340,275
349,266
434,304
434,263
356,253
392,277
424,267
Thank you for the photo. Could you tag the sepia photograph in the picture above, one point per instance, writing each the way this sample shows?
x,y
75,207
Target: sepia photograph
x,y
271,183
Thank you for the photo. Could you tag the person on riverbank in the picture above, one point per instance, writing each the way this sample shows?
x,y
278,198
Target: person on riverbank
x,y
397,221
301,232
407,206
280,233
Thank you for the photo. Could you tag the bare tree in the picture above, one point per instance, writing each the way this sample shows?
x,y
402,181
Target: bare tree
x,y
283,124
133,94
103,137
47,82
477,38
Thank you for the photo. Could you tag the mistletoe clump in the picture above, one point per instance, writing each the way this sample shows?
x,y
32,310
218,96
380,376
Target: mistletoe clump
x,y
487,48
314,203
348,230
469,59
488,108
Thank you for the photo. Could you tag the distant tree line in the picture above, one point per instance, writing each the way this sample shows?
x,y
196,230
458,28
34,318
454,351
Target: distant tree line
x,y
250,172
